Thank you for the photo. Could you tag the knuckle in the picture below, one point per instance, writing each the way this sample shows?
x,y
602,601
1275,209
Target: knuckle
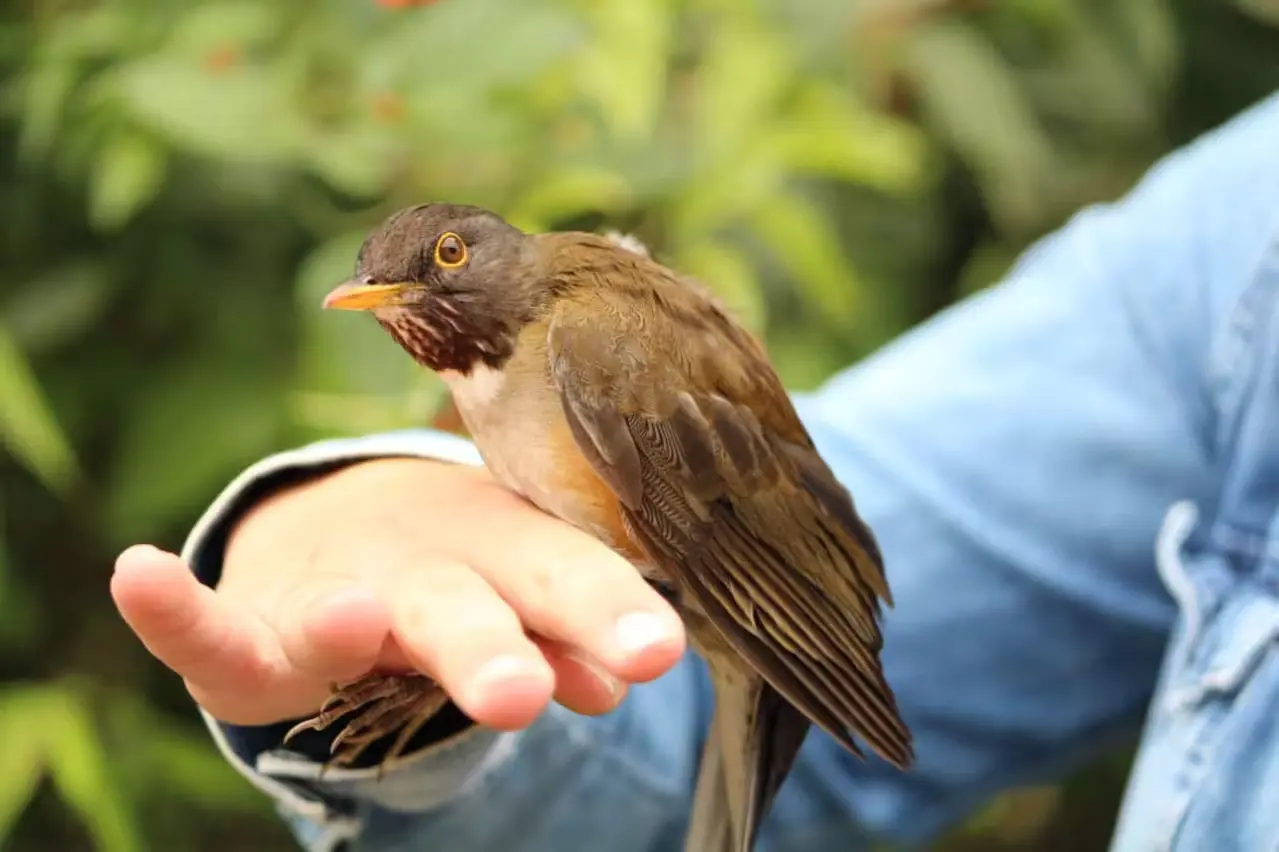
x,y
459,619
541,593
484,625
571,590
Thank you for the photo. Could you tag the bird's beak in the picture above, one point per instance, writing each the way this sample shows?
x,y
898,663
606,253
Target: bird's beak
x,y
356,296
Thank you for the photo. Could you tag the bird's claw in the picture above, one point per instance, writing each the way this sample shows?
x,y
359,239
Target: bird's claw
x,y
382,704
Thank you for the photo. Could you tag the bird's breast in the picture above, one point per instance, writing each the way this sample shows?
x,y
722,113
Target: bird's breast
x,y
518,426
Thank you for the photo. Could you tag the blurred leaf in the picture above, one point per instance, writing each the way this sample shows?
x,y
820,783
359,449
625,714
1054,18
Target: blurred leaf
x,y
568,192
967,92
344,353
828,135
22,720
78,765
426,49
46,88
741,81
27,426
987,266
1152,34
364,414
1266,11
231,23
237,112
20,622
189,428
177,759
624,67
728,190
89,33
56,307
191,768
803,242
128,176
357,159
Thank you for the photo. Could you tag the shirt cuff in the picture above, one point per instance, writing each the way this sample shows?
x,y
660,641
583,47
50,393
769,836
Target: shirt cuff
x,y
327,804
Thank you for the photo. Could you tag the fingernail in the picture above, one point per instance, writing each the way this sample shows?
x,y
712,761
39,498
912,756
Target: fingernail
x,y
610,683
638,631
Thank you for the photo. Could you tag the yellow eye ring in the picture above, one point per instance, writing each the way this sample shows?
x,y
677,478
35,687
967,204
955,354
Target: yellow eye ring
x,y
450,251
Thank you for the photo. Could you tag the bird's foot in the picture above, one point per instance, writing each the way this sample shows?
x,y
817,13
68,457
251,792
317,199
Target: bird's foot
x,y
381,704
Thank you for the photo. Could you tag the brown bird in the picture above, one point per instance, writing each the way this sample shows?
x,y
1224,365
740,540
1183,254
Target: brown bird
x,y
621,397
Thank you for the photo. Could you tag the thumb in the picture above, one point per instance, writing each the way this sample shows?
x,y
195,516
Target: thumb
x,y
189,628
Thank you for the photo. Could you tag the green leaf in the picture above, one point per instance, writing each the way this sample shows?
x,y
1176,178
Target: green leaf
x,y
189,767
1265,11
191,427
27,425
127,177
173,758
357,158
426,50
91,33
232,23
827,134
569,191
18,627
241,113
805,244
733,188
80,772
22,730
57,307
623,68
46,88
969,95
739,85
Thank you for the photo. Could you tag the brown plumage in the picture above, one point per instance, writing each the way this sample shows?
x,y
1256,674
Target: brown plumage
x,y
620,396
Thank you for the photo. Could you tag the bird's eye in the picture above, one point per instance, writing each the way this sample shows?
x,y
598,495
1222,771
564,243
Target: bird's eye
x,y
450,251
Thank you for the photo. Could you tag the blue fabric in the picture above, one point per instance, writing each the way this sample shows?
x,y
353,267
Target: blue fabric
x,y
1074,477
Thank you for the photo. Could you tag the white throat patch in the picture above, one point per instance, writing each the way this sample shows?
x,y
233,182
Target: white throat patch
x,y
476,391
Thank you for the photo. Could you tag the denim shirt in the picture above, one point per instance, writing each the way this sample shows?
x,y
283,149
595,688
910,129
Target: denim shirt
x,y
1074,477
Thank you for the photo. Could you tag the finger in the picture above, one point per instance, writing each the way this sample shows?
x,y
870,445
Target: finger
x,y
333,631
581,683
568,586
187,627
454,627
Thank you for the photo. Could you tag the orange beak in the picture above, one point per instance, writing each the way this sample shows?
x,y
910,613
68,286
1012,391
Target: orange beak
x,y
354,296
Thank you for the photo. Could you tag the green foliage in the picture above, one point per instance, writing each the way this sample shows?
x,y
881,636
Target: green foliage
x,y
182,182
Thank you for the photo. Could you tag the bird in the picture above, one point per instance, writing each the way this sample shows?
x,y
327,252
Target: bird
x,y
625,399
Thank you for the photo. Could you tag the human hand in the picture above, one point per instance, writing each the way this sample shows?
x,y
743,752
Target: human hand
x,y
399,565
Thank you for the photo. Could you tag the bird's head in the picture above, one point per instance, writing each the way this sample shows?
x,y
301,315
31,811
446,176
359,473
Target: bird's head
x,y
453,284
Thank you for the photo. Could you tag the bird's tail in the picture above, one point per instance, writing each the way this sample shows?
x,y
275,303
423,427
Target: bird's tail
x,y
754,739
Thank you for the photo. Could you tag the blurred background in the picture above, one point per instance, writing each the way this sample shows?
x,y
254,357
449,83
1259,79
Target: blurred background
x,y
183,181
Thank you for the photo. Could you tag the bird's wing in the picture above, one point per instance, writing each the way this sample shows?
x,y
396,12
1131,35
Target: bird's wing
x,y
723,489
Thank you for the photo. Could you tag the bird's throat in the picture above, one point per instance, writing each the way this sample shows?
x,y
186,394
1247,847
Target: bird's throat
x,y
441,337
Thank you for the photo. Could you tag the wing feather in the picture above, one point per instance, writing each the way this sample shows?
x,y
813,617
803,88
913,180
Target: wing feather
x,y
723,489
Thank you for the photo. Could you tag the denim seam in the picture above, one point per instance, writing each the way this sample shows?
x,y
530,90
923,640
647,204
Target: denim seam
x,y
1240,541
1233,355
1185,783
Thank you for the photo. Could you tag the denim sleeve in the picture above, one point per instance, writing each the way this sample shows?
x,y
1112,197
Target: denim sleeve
x,y
1016,457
